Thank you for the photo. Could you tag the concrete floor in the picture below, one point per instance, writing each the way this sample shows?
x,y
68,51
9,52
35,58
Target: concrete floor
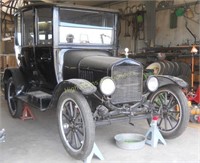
x,y
37,141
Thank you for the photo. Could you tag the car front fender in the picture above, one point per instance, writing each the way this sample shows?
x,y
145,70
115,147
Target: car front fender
x,y
82,85
166,80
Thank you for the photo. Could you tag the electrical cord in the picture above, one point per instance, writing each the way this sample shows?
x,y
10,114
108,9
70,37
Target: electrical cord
x,y
195,7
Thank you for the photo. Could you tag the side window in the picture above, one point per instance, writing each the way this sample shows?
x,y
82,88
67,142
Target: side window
x,y
44,23
18,34
28,34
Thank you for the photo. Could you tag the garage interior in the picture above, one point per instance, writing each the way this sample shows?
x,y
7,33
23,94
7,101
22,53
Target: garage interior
x,y
162,35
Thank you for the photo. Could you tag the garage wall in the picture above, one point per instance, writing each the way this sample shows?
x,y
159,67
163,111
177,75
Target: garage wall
x,y
127,41
179,35
164,35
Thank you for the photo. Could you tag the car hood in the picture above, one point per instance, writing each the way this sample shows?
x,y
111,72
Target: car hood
x,y
98,63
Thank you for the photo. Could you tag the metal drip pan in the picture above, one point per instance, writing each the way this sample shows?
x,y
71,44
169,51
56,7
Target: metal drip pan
x,y
130,141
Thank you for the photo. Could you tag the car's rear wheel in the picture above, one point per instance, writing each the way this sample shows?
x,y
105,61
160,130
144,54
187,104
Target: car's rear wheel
x,y
171,105
13,104
76,125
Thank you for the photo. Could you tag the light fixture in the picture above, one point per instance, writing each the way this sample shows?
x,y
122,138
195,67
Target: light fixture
x,y
194,49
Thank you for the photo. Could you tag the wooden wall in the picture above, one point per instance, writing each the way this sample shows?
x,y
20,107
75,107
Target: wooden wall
x,y
7,61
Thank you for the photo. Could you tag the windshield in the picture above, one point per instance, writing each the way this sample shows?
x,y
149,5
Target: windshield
x,y
86,27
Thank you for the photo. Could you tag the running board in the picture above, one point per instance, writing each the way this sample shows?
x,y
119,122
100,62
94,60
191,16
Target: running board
x,y
37,99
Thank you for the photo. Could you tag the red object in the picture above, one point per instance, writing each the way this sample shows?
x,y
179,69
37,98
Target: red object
x,y
196,97
198,119
27,114
155,118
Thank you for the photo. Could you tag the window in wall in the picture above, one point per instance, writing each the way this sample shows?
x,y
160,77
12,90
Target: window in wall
x,y
28,34
44,20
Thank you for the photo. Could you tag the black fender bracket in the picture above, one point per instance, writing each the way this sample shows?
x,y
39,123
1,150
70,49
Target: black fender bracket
x,y
82,85
166,80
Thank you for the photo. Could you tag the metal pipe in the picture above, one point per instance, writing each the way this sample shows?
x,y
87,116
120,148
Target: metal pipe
x,y
186,26
122,119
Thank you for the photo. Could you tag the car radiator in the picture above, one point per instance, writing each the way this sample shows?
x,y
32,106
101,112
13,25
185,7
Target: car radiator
x,y
128,80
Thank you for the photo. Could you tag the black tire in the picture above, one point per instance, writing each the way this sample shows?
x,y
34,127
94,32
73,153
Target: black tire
x,y
186,79
163,68
172,70
14,106
171,105
177,68
167,68
76,124
185,69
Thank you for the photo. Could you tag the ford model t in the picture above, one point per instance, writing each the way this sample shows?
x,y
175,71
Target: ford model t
x,y
67,61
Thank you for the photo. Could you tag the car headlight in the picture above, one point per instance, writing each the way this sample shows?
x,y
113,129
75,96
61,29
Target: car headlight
x,y
107,86
152,83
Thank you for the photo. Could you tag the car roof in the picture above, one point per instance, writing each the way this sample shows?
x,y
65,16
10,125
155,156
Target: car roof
x,y
71,6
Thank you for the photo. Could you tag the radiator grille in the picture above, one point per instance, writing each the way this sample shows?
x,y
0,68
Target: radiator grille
x,y
86,74
128,79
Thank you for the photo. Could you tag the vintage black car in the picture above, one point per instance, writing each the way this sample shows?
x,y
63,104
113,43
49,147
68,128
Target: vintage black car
x,y
67,61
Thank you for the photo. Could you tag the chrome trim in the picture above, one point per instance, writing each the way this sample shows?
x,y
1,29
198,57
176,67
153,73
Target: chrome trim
x,y
58,63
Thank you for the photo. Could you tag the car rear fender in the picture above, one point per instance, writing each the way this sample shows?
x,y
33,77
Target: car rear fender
x,y
81,85
17,76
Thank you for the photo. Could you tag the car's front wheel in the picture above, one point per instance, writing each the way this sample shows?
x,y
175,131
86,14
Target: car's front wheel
x,y
76,125
171,105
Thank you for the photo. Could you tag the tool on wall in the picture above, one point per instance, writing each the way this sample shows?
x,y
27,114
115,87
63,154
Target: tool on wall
x,y
140,25
127,24
173,20
165,4
127,21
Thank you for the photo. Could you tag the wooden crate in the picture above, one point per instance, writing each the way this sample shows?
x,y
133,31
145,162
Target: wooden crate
x,y
7,61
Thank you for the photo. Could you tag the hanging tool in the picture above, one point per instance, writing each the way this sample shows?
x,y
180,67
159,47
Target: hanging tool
x,y
127,24
186,26
138,27
173,20
140,22
127,10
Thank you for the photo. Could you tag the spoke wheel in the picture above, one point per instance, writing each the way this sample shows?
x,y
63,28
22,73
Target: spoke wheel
x,y
13,106
171,105
76,126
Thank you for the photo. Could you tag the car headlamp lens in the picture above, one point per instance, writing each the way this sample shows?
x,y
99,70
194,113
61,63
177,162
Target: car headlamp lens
x,y
107,86
152,84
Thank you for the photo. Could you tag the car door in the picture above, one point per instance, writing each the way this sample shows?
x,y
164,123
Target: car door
x,y
44,46
28,41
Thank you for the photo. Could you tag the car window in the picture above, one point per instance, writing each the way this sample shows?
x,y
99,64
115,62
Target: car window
x,y
44,23
28,35
85,27
18,30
